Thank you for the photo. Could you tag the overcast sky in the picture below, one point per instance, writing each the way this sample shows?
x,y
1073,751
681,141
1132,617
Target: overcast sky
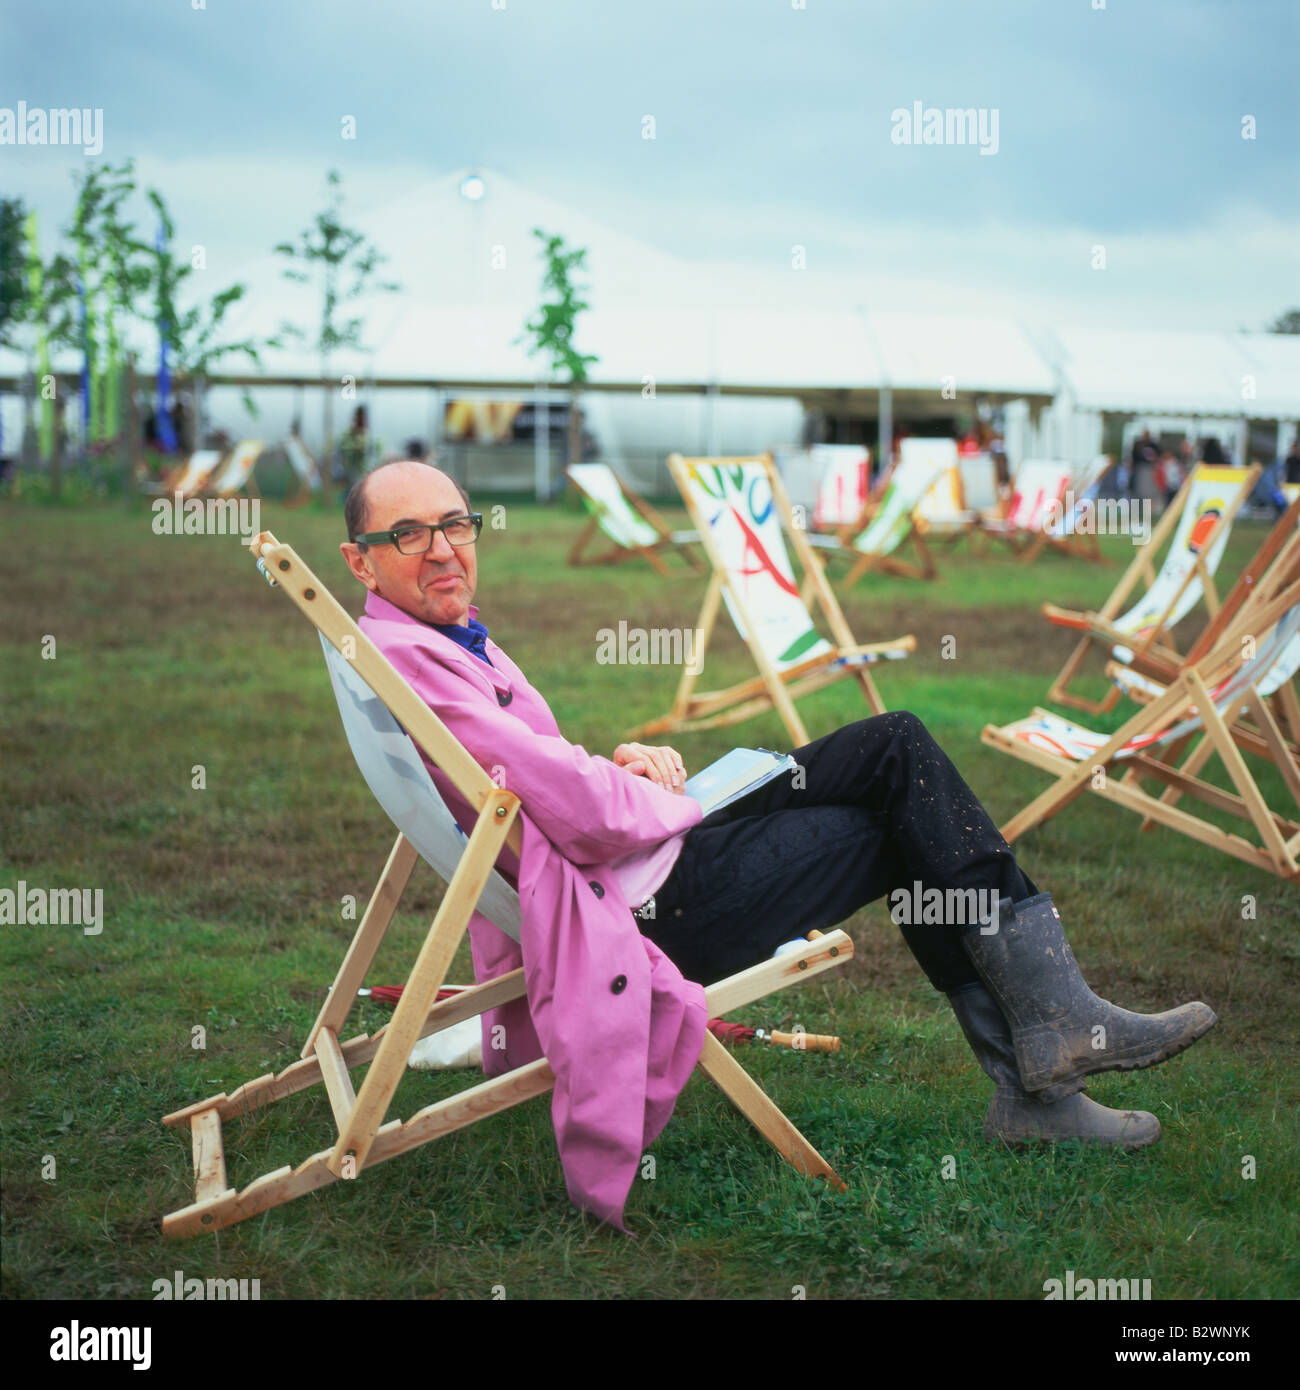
x,y
1119,127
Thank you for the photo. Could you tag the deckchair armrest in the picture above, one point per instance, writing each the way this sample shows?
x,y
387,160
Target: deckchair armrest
x,y
905,644
1067,617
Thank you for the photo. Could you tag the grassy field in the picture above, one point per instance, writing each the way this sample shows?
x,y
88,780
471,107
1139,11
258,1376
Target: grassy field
x,y
222,910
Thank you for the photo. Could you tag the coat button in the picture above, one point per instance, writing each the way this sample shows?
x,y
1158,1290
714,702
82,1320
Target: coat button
x,y
596,888
505,696
618,984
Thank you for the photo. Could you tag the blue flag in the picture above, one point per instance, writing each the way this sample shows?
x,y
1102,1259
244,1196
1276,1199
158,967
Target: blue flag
x,y
166,432
85,361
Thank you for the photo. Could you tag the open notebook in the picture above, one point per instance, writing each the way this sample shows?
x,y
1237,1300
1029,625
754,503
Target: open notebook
x,y
736,774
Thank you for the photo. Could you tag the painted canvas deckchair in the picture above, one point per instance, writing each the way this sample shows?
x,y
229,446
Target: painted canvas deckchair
x,y
1196,525
626,519
743,514
379,711
843,487
1206,700
304,467
979,484
1035,502
236,473
943,513
887,523
1068,530
1273,565
191,477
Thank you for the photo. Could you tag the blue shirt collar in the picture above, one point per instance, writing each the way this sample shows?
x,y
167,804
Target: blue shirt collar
x,y
472,637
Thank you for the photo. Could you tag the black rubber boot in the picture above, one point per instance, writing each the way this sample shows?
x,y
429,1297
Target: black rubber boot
x,y
1061,1030
1017,1118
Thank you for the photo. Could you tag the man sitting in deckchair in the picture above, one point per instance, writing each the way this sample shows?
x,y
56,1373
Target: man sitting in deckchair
x,y
878,808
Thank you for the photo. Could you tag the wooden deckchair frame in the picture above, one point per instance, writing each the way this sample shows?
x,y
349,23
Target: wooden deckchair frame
x,y
1275,564
1278,847
1098,627
363,1137
1023,542
770,689
617,554
305,491
1075,544
864,562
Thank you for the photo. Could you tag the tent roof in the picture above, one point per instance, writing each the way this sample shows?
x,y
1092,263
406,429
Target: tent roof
x,y
1183,373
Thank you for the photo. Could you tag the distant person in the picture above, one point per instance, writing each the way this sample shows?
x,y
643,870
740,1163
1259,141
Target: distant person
x,y
1212,452
354,448
1169,476
416,449
1293,462
1145,451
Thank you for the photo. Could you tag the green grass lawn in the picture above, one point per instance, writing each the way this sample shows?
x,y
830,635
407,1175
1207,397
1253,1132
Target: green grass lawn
x,y
222,910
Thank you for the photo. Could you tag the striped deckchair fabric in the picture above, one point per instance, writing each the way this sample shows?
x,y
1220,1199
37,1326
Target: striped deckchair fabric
x,y
744,518
1068,531
626,519
845,470
1035,503
1196,526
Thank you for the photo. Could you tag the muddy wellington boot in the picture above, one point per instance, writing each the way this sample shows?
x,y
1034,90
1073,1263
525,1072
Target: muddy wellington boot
x,y
1061,1030
1017,1118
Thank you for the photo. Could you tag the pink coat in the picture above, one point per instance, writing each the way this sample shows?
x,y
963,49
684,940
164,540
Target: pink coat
x,y
619,1026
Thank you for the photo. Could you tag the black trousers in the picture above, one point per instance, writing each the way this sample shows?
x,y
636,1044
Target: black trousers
x,y
882,808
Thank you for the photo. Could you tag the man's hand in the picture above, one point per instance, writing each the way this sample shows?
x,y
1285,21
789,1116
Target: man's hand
x,y
661,765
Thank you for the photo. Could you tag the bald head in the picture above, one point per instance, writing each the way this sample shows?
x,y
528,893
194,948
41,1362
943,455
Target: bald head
x,y
356,509
435,585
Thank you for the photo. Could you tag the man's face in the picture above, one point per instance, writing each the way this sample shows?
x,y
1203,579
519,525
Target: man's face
x,y
437,586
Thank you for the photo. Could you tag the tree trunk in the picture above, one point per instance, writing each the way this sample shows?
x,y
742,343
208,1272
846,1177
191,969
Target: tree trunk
x,y
327,445
56,449
575,429
129,423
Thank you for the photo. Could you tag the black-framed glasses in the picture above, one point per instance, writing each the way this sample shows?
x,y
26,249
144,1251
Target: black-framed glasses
x,y
415,539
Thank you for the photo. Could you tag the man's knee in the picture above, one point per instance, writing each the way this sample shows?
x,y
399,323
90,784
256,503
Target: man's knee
x,y
900,724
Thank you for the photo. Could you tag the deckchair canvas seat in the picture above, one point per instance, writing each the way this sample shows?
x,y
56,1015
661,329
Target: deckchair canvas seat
x,y
626,519
238,471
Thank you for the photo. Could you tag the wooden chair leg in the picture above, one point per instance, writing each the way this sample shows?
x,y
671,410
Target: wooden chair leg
x,y
763,1113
